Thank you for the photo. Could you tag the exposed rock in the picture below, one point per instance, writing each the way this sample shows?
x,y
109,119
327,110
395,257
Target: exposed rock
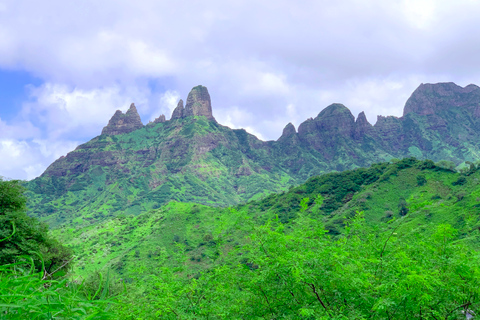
x,y
336,119
160,119
123,123
288,131
362,126
306,127
430,99
198,103
441,122
179,111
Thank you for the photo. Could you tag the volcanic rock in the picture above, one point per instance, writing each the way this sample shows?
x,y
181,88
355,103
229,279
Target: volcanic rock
x,y
122,123
198,103
288,131
430,99
179,111
160,119
362,126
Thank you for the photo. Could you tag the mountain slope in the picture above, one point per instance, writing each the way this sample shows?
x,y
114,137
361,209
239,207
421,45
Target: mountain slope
x,y
132,168
418,193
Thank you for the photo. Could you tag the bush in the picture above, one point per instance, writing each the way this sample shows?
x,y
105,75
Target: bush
x,y
23,235
421,180
460,181
24,294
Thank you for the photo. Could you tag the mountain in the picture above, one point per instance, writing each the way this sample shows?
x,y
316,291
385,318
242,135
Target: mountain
x,y
132,168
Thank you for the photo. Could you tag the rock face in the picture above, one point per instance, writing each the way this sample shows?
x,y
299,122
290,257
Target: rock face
x,y
122,123
178,111
198,103
362,126
288,131
430,99
160,119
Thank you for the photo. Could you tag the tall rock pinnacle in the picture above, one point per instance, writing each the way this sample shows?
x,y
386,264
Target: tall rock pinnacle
x,y
362,126
179,110
198,103
122,123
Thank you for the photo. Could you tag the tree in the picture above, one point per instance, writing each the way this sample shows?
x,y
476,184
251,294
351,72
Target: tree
x,y
23,235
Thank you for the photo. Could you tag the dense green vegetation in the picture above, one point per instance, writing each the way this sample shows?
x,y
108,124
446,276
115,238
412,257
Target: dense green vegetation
x,y
33,284
396,240
367,273
23,235
187,160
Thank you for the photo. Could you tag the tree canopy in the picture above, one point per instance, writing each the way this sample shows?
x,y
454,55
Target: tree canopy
x,y
21,235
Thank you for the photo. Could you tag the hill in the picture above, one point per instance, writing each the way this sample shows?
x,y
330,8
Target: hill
x,y
412,209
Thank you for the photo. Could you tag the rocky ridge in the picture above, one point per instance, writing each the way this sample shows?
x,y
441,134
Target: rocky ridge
x,y
193,158
122,123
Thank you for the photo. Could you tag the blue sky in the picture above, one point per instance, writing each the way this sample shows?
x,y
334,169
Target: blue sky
x,y
14,85
65,68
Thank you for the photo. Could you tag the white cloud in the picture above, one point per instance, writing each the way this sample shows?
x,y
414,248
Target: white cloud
x,y
75,112
28,159
167,102
265,63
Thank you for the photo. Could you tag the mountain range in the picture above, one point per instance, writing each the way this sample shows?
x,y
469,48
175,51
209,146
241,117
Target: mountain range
x,y
132,167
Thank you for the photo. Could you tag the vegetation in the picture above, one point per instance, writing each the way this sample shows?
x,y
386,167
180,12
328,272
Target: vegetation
x,y
26,294
33,267
23,235
371,242
366,273
397,240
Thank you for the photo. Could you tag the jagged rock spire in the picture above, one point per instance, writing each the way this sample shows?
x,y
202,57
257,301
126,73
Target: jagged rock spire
x,y
288,131
362,126
122,123
198,103
160,119
179,110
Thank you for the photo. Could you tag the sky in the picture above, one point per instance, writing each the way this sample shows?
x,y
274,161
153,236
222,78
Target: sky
x,y
67,66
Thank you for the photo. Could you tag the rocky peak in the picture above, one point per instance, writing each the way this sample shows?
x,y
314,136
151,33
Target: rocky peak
x,y
336,118
429,99
179,110
198,103
160,119
122,123
288,131
362,126
362,121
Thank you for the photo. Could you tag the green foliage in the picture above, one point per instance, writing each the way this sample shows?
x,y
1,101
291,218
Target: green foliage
x,y
305,273
11,196
460,181
445,165
421,180
412,253
25,294
23,235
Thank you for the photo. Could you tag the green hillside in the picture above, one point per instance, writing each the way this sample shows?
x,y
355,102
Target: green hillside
x,y
169,255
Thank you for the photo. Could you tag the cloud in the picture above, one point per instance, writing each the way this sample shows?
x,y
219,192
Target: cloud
x,y
168,102
265,63
27,159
